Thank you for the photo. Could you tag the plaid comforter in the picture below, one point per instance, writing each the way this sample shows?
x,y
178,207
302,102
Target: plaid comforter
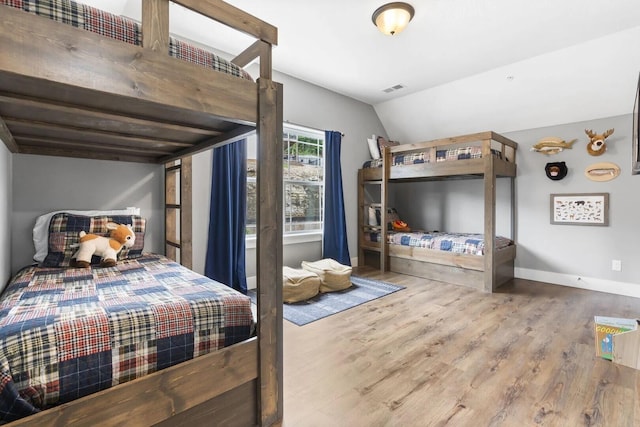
x,y
461,243
66,333
461,153
120,28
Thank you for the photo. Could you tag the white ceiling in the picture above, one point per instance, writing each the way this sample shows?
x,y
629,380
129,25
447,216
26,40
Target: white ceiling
x,y
334,44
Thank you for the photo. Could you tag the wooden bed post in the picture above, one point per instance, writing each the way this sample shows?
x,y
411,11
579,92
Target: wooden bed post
x,y
178,211
489,217
384,213
269,253
155,24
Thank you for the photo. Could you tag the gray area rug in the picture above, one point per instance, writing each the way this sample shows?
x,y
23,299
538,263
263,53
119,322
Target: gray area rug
x,y
323,305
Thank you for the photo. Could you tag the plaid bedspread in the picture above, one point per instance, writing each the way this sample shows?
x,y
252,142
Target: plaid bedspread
x,y
462,243
460,153
120,28
66,333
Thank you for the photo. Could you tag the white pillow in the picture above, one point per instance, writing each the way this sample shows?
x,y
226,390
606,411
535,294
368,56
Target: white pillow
x,y
374,150
41,229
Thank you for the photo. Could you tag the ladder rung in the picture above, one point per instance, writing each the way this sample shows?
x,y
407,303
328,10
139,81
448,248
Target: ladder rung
x,y
172,168
174,244
169,206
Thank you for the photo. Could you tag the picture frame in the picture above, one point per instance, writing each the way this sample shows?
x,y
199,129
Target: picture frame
x,y
635,162
580,209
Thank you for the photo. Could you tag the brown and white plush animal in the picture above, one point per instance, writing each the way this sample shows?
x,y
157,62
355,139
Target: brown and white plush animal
x,y
596,145
105,247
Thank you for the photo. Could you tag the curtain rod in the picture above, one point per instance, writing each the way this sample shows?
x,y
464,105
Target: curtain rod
x,y
308,127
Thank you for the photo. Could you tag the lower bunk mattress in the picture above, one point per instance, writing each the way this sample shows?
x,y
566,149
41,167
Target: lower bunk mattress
x,y
462,243
69,332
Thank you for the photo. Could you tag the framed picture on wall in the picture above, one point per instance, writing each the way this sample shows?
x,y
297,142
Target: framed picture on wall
x,y
635,164
580,209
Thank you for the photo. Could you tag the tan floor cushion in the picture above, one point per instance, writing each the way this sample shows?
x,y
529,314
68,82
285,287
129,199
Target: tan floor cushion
x,y
333,275
298,284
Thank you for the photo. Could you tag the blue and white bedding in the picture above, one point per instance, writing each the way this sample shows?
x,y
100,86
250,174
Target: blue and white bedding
x,y
461,243
69,332
460,153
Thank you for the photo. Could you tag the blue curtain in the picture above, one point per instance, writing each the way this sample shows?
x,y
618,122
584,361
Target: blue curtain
x,y
225,260
334,243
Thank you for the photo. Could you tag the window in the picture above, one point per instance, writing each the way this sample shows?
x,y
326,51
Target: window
x,y
303,181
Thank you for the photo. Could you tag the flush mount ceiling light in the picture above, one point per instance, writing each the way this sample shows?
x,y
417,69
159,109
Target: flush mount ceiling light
x,y
393,17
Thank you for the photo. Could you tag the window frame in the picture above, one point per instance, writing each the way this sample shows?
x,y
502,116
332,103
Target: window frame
x,y
302,236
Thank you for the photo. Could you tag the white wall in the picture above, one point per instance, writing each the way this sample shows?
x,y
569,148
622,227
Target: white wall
x,y
6,200
583,82
43,184
307,105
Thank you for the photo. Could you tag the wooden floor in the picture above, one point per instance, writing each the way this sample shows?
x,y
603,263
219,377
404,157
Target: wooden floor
x,y
435,354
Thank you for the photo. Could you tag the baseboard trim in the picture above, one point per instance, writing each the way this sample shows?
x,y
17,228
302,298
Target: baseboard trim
x,y
571,280
582,282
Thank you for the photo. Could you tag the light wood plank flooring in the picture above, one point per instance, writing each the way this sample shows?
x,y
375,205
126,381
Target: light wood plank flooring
x,y
435,354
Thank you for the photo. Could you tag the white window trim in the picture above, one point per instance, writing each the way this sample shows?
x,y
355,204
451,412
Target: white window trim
x,y
289,239
294,238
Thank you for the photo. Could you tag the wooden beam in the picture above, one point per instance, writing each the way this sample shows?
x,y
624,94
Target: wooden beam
x,y
83,114
260,50
7,137
156,397
186,185
490,284
221,139
155,25
84,134
234,18
86,154
72,65
49,142
269,253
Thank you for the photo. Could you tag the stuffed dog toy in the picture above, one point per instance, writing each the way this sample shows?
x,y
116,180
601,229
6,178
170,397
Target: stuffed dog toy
x,y
105,247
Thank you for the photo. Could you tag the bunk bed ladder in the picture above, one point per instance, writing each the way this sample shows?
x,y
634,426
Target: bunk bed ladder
x,y
366,201
177,195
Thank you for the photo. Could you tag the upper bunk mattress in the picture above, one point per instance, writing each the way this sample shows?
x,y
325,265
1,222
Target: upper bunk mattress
x,y
121,28
461,243
461,153
69,332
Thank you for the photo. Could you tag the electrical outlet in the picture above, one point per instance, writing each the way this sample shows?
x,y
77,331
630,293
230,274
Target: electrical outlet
x,y
616,265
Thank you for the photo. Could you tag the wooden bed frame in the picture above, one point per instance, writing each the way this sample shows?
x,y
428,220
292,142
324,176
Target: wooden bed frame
x,y
486,272
69,92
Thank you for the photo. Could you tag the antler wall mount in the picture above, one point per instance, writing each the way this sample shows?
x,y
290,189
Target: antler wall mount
x,y
596,145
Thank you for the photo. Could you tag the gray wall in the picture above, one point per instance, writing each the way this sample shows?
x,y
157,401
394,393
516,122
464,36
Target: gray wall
x,y
312,106
6,199
43,184
564,254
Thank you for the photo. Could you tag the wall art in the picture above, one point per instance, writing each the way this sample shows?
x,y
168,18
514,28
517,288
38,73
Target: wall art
x,y
580,209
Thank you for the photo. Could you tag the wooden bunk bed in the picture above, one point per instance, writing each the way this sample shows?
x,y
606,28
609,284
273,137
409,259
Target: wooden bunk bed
x,y
69,92
496,157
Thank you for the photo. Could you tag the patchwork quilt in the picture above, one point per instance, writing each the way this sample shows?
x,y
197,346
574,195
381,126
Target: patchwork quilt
x,y
460,153
120,28
69,332
461,243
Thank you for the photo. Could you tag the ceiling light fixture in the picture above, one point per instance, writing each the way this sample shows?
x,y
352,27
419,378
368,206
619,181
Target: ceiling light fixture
x,y
392,18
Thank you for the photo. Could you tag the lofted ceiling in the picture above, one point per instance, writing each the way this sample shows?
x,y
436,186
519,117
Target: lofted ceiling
x,y
335,45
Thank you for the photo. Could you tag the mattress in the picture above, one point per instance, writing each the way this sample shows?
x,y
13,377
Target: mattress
x,y
461,243
461,153
121,28
69,332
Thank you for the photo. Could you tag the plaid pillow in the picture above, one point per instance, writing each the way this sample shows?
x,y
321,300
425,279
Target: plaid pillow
x,y
64,232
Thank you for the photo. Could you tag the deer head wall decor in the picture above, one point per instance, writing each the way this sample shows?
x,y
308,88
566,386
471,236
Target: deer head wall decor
x,y
596,145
